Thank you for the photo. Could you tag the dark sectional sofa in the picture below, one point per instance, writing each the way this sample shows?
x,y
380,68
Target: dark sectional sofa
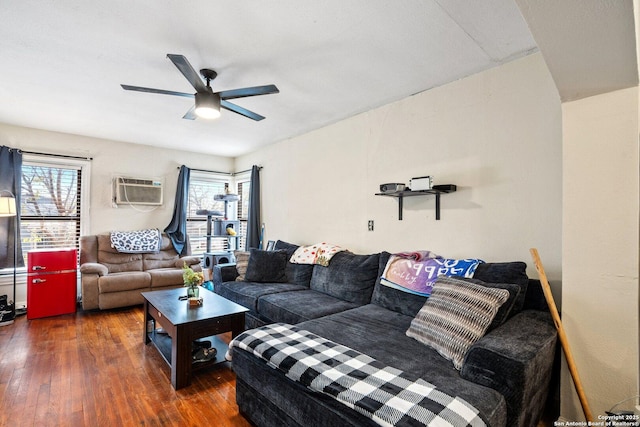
x,y
505,375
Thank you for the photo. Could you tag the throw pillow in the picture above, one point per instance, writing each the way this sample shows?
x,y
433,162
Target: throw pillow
x,y
392,298
504,312
242,260
266,266
418,276
455,316
298,274
506,272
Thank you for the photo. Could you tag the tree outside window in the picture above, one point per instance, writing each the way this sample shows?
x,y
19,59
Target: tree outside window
x,y
50,206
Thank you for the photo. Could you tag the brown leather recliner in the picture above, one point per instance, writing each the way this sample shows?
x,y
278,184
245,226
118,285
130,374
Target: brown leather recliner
x,y
112,279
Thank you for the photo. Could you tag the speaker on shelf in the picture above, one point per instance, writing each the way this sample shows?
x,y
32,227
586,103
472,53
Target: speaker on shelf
x,y
210,259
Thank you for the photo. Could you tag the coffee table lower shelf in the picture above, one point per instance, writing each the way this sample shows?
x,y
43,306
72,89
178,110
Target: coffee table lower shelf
x,y
162,342
165,309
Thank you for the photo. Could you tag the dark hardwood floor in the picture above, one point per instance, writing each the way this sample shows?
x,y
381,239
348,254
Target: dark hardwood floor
x,y
92,369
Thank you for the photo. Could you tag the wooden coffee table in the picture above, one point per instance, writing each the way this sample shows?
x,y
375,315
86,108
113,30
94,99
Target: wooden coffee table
x,y
184,324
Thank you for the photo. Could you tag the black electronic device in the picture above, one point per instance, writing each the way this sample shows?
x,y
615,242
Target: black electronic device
x,y
445,187
392,187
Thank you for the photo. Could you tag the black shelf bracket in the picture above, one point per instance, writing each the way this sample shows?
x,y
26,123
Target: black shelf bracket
x,y
400,195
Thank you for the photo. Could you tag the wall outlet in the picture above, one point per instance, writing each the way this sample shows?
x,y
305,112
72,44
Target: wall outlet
x,y
370,225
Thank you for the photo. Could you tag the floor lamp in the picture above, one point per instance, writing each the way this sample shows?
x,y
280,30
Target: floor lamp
x,y
8,208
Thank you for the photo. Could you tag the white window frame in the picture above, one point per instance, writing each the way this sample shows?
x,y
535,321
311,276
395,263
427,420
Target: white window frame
x,y
241,178
84,165
214,177
52,161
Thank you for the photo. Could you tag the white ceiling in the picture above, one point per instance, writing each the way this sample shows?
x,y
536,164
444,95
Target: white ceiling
x,y
589,45
63,62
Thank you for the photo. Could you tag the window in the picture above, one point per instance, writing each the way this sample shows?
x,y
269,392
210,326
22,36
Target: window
x,y
203,187
51,205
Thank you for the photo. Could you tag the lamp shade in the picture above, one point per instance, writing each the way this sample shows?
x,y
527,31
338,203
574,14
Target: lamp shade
x,y
7,206
208,105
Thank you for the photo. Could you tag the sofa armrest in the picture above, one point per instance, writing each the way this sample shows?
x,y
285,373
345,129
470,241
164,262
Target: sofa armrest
x,y
516,359
94,268
189,260
224,273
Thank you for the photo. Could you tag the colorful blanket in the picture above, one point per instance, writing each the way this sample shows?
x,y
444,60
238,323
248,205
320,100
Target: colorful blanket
x,y
386,395
320,253
416,272
137,242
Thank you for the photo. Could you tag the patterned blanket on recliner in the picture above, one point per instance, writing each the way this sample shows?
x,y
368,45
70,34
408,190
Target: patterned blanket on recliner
x,y
137,242
386,395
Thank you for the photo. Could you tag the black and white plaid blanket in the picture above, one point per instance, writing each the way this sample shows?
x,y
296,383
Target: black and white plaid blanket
x,y
386,395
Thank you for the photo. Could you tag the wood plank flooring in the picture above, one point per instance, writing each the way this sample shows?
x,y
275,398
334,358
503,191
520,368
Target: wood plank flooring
x,y
92,369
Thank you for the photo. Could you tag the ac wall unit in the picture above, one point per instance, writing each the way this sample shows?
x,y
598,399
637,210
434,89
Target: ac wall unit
x,y
138,191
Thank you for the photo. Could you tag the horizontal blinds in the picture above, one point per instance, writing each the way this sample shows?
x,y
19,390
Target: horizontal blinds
x,y
50,206
202,189
244,188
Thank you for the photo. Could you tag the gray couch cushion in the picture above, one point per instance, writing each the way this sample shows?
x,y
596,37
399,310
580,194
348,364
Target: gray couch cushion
x,y
300,274
494,274
505,309
247,293
349,277
355,329
503,361
506,272
298,306
266,266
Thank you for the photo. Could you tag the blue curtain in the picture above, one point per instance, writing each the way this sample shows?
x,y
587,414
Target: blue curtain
x,y
10,182
254,239
177,228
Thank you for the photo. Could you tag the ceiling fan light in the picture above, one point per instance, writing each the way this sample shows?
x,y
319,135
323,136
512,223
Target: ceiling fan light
x,y
208,105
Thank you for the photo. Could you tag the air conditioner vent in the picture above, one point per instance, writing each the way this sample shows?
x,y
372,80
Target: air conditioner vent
x,y
137,191
138,181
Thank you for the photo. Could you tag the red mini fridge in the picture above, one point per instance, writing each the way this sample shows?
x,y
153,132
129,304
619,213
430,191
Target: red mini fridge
x,y
51,282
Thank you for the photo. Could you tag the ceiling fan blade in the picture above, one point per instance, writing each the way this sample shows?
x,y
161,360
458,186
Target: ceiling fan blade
x,y
160,91
248,91
187,70
191,114
242,111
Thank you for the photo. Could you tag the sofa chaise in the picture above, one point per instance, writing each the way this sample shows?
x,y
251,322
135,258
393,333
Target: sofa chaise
x,y
111,279
505,374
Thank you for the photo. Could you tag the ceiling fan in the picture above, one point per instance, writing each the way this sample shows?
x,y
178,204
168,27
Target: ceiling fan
x,y
207,102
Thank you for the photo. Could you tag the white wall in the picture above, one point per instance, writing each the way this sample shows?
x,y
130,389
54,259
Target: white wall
x,y
111,158
600,254
496,135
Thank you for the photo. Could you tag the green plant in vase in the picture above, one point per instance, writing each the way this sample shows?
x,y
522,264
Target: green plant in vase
x,y
192,280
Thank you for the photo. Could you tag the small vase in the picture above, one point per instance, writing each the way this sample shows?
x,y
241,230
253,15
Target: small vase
x,y
193,291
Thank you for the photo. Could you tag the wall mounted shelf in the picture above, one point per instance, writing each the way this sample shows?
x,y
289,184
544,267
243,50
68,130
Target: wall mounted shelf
x,y
437,190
